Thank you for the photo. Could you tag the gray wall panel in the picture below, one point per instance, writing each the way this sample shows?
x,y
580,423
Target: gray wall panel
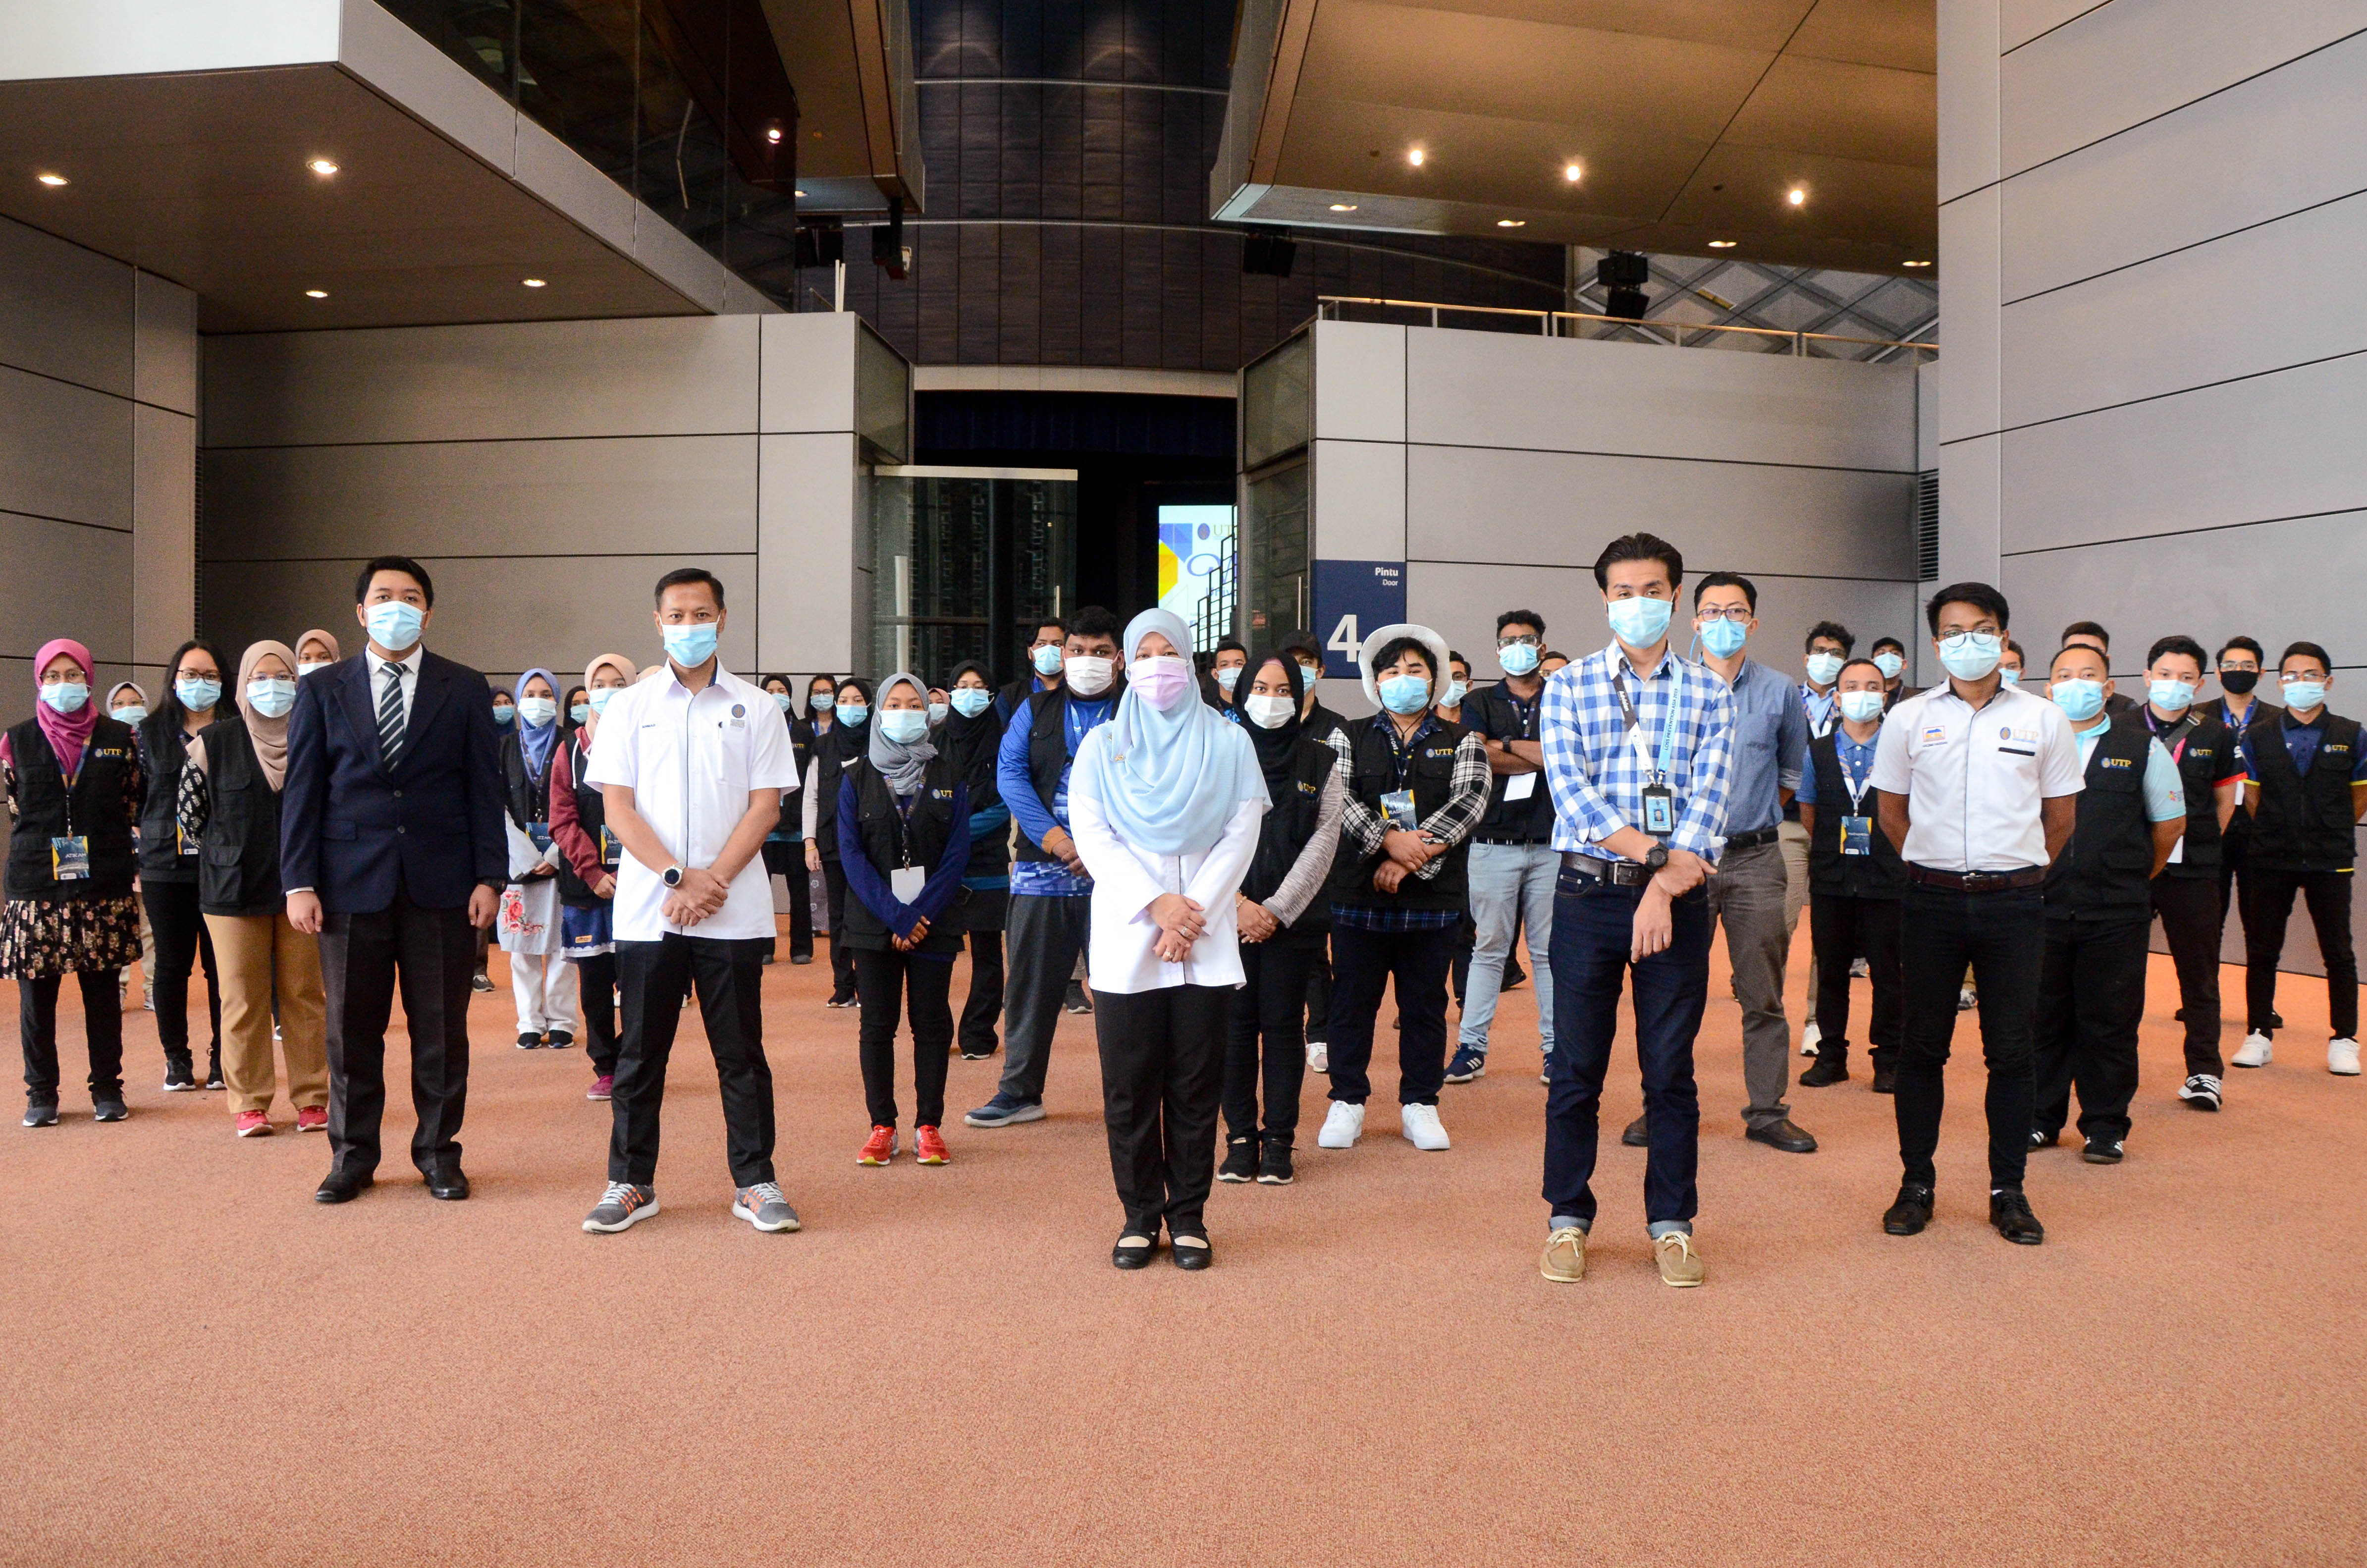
x,y
807,369
1560,508
808,591
165,344
2016,22
64,312
686,494
1360,382
65,451
1360,500
164,585
57,580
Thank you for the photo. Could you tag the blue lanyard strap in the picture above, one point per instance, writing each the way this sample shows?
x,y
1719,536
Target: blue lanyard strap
x,y
1668,725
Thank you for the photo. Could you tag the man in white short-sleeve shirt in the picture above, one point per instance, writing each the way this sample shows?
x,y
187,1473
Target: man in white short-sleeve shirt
x,y
692,765
1974,783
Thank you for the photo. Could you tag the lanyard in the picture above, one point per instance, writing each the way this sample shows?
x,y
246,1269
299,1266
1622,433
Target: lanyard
x,y
1527,713
1401,752
1818,728
1668,728
2174,738
1856,787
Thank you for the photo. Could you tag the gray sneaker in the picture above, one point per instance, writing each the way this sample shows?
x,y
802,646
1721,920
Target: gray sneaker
x,y
620,1208
763,1207
41,1113
109,1110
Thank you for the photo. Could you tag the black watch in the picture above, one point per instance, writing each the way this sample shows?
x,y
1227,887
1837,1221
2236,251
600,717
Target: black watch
x,y
1656,856
672,875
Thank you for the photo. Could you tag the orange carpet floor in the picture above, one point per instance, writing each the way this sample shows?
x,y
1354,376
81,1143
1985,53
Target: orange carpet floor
x,y
207,1368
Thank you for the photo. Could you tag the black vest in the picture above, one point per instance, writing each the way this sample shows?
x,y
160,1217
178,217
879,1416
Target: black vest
x,y
1530,821
2303,822
95,807
1047,716
2106,870
835,752
528,798
1430,774
1879,875
2201,751
238,872
591,815
792,821
1289,825
892,838
165,746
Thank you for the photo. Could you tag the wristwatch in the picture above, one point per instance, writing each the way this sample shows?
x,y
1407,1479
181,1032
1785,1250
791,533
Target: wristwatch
x,y
1656,856
672,875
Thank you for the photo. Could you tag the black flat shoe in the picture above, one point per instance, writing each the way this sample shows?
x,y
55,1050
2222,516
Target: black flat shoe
x,y
1784,1136
801,958
560,1039
447,1183
2010,1212
528,1040
1188,1256
1909,1213
344,1187
2042,1138
1885,1080
1830,1068
1638,1136
1124,1257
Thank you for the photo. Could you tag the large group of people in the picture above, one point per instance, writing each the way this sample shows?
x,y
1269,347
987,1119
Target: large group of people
x,y
1240,874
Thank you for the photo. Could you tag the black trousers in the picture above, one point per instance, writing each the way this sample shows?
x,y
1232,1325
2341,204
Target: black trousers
x,y
2327,895
653,978
1467,940
2002,936
1271,1005
182,940
1363,963
842,951
2235,877
36,1030
883,978
431,954
1163,1073
596,997
2190,911
1319,995
982,1011
1839,927
785,859
2091,1000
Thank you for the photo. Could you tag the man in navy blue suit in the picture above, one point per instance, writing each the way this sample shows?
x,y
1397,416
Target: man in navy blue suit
x,y
392,849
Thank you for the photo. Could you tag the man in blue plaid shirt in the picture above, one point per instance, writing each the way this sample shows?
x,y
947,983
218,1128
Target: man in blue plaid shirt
x,y
1638,748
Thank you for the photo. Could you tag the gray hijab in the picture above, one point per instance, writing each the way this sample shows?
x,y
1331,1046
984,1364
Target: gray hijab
x,y
901,764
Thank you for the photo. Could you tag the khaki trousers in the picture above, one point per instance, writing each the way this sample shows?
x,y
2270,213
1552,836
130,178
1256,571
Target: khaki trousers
x,y
256,954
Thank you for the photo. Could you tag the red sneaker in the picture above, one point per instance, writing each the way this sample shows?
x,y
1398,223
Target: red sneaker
x,y
929,1146
602,1088
254,1124
879,1148
313,1120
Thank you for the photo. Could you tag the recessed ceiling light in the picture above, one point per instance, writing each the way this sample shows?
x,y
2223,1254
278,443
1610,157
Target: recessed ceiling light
x,y
316,293
1343,207
773,134
1798,196
1511,222
1414,157
1571,172
531,282
1721,244
801,193
322,167
53,181
1917,264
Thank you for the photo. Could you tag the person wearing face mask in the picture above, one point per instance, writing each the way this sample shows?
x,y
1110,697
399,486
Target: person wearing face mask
x,y
2092,984
1826,649
230,800
1051,890
1512,863
940,704
1225,669
1857,880
1046,661
903,821
784,846
1282,919
2010,663
971,740
1167,799
574,708
835,751
128,704
2093,635
74,781
2186,892
2240,706
2305,781
541,981
821,702
1319,723
1449,710
1639,754
1890,658
169,861
589,856
392,851
1974,783
316,650
504,709
1416,785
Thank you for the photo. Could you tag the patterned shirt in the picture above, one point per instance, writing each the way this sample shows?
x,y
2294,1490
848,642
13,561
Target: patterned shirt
x,y
1592,768
1362,828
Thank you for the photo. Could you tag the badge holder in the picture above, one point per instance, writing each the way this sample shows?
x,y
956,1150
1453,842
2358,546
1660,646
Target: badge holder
x,y
1398,811
1857,835
906,882
612,854
1660,810
69,858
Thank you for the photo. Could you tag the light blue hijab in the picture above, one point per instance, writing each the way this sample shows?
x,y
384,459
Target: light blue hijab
x,y
535,740
1171,782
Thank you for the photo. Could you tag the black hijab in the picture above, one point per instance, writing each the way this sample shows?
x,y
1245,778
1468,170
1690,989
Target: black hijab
x,y
1274,745
971,744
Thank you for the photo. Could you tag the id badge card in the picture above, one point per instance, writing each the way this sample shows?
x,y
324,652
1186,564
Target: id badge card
x,y
1520,786
182,842
906,882
69,860
1857,835
1659,810
1398,810
540,834
612,854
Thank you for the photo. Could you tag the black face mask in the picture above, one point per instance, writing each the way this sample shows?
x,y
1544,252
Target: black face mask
x,y
2240,682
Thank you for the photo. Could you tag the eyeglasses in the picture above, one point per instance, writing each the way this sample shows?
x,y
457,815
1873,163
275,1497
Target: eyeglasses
x,y
2289,676
1738,614
1520,641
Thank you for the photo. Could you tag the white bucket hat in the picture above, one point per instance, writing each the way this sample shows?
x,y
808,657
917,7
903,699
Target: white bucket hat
x,y
1388,634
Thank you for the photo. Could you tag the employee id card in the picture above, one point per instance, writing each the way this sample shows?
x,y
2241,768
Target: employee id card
x,y
1520,786
906,882
69,860
1397,810
539,832
1659,810
1857,835
612,854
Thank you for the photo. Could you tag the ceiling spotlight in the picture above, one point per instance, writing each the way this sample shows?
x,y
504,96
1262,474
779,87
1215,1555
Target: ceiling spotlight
x,y
773,134
1798,196
1414,157
1721,244
322,167
316,293
1511,222
532,282
52,181
1916,264
1343,207
801,193
1570,172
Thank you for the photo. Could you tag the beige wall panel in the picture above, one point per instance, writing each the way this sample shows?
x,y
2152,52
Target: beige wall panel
x,y
806,530
59,580
1360,382
65,451
164,579
808,373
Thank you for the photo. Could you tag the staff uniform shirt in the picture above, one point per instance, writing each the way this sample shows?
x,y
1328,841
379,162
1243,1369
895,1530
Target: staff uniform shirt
x,y
1016,781
2301,745
1770,742
692,759
1591,766
1974,779
2165,791
1857,766
1823,710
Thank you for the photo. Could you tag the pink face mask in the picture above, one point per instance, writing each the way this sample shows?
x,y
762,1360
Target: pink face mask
x,y
1162,680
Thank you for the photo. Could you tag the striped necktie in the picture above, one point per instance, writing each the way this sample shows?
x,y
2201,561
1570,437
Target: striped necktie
x,y
389,717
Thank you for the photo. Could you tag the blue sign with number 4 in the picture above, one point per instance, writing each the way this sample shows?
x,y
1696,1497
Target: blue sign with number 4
x,y
1352,600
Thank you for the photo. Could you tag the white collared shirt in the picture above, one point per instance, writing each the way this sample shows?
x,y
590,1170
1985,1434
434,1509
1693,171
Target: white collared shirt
x,y
692,759
408,665
1974,779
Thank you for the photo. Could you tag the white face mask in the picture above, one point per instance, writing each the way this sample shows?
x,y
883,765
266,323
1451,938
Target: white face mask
x,y
1090,674
1267,712
309,665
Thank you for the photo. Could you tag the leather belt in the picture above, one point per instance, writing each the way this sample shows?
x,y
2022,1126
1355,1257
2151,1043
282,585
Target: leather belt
x,y
1620,873
1976,882
1752,840
1512,843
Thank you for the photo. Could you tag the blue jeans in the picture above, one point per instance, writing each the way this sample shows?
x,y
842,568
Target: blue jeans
x,y
1593,932
1511,884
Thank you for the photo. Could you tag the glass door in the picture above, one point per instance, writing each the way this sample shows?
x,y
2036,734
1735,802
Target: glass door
x,y
966,564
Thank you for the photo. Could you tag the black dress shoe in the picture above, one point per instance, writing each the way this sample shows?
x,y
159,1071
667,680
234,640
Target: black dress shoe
x,y
448,1183
801,958
2276,1021
1188,1256
1124,1257
2010,1212
343,1187
1832,1067
1638,1135
1784,1136
1885,1080
1909,1213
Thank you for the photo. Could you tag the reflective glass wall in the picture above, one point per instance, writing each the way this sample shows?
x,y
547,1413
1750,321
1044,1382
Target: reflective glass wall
x,y
966,564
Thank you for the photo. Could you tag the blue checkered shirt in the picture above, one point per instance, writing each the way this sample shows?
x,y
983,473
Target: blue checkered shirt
x,y
1591,767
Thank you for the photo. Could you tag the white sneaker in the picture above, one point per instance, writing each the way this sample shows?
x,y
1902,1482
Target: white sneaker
x,y
2200,1091
2256,1051
2342,1058
1809,1035
1421,1128
1342,1125
1319,1057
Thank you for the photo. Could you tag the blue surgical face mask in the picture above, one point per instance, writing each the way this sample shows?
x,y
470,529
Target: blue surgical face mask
x,y
270,698
1457,690
938,712
129,714
537,710
1229,677
853,713
691,645
1823,668
1639,623
2172,695
579,711
822,702
197,695
1861,707
1889,664
2079,699
504,715
903,725
65,696
394,624
781,699
1518,658
969,701
1405,694
1969,655
1722,638
2304,694
1048,659
598,697
2010,676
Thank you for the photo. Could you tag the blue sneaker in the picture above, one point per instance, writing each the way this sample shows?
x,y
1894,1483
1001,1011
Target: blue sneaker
x,y
1003,1109
1467,1064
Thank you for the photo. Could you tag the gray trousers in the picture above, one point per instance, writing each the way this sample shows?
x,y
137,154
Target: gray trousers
x,y
1046,936
1748,895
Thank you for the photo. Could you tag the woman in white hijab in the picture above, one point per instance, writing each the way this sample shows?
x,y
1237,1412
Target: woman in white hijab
x,y
1164,802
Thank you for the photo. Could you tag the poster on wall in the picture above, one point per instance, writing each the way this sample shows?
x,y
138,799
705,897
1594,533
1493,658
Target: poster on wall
x,y
1354,599
1199,577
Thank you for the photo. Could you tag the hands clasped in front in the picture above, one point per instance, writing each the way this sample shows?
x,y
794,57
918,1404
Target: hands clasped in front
x,y
702,893
1181,922
1654,926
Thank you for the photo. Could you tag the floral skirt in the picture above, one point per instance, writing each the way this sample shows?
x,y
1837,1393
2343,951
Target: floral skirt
x,y
40,936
